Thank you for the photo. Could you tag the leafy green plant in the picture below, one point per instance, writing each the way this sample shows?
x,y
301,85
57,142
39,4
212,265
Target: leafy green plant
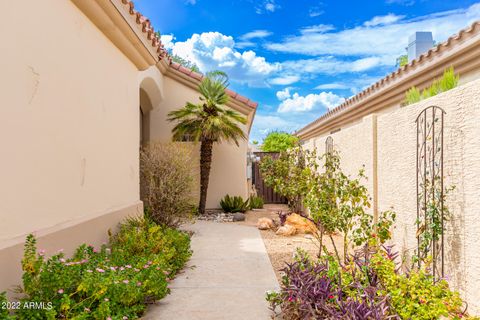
x,y
113,281
234,204
448,81
338,203
4,313
289,174
412,96
256,202
368,286
277,141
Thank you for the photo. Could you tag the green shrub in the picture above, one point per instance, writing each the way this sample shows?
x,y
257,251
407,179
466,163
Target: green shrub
x,y
167,183
114,281
448,81
277,141
412,96
234,204
4,313
256,202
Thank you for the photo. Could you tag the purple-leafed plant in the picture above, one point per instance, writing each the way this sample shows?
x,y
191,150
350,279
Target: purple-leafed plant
x,y
324,290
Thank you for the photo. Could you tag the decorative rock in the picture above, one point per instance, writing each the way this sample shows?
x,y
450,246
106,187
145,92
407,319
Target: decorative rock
x,y
238,216
286,230
301,224
265,224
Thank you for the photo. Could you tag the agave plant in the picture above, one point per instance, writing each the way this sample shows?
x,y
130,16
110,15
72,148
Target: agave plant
x,y
234,204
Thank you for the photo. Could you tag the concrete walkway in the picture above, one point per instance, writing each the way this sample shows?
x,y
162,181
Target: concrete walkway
x,y
230,272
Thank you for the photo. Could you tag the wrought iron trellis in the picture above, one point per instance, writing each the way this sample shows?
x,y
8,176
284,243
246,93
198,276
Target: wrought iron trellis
x,y
329,145
430,189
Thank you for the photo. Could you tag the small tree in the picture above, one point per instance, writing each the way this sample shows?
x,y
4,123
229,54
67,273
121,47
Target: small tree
x,y
336,202
208,122
277,141
288,175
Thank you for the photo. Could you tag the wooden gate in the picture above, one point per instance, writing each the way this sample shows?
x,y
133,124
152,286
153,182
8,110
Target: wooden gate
x,y
267,193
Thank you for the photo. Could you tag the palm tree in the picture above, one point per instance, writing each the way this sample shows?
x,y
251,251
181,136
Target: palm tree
x,y
208,122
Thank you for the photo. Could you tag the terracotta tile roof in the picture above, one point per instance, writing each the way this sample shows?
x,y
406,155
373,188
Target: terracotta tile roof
x,y
156,43
432,53
147,29
198,76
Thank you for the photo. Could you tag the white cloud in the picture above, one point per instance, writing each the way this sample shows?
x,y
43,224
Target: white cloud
x,y
332,86
401,2
332,65
256,34
285,80
315,12
283,94
381,40
298,103
263,124
383,20
213,50
245,40
266,6
192,2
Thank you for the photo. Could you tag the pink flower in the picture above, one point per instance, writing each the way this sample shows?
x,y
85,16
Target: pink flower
x,y
89,271
62,260
87,310
290,298
157,268
113,268
60,291
149,262
109,318
125,318
100,270
61,250
84,261
122,268
42,252
128,266
145,266
136,270
139,284
125,281
166,273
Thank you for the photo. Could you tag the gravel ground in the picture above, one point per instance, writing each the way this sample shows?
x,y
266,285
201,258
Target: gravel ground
x,y
280,248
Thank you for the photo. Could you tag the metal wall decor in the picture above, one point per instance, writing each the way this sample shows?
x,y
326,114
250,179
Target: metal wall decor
x,y
329,144
430,190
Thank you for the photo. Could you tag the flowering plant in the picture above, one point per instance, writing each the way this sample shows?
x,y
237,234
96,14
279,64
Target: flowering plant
x,y
114,281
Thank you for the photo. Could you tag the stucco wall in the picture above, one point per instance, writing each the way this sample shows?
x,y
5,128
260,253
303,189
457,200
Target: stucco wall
x,y
69,127
394,132
228,173
355,146
397,180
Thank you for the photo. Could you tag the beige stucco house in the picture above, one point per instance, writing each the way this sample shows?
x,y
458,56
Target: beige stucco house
x,y
83,82
374,128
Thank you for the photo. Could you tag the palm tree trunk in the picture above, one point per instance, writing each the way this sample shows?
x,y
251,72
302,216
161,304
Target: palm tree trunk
x,y
206,150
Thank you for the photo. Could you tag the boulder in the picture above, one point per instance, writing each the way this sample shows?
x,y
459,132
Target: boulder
x,y
238,216
286,230
265,224
301,224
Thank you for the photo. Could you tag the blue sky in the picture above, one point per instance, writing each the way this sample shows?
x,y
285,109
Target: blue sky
x,y
300,58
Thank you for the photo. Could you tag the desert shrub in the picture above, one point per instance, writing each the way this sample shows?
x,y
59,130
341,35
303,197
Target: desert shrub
x,y
367,286
114,281
234,204
448,81
167,183
256,202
